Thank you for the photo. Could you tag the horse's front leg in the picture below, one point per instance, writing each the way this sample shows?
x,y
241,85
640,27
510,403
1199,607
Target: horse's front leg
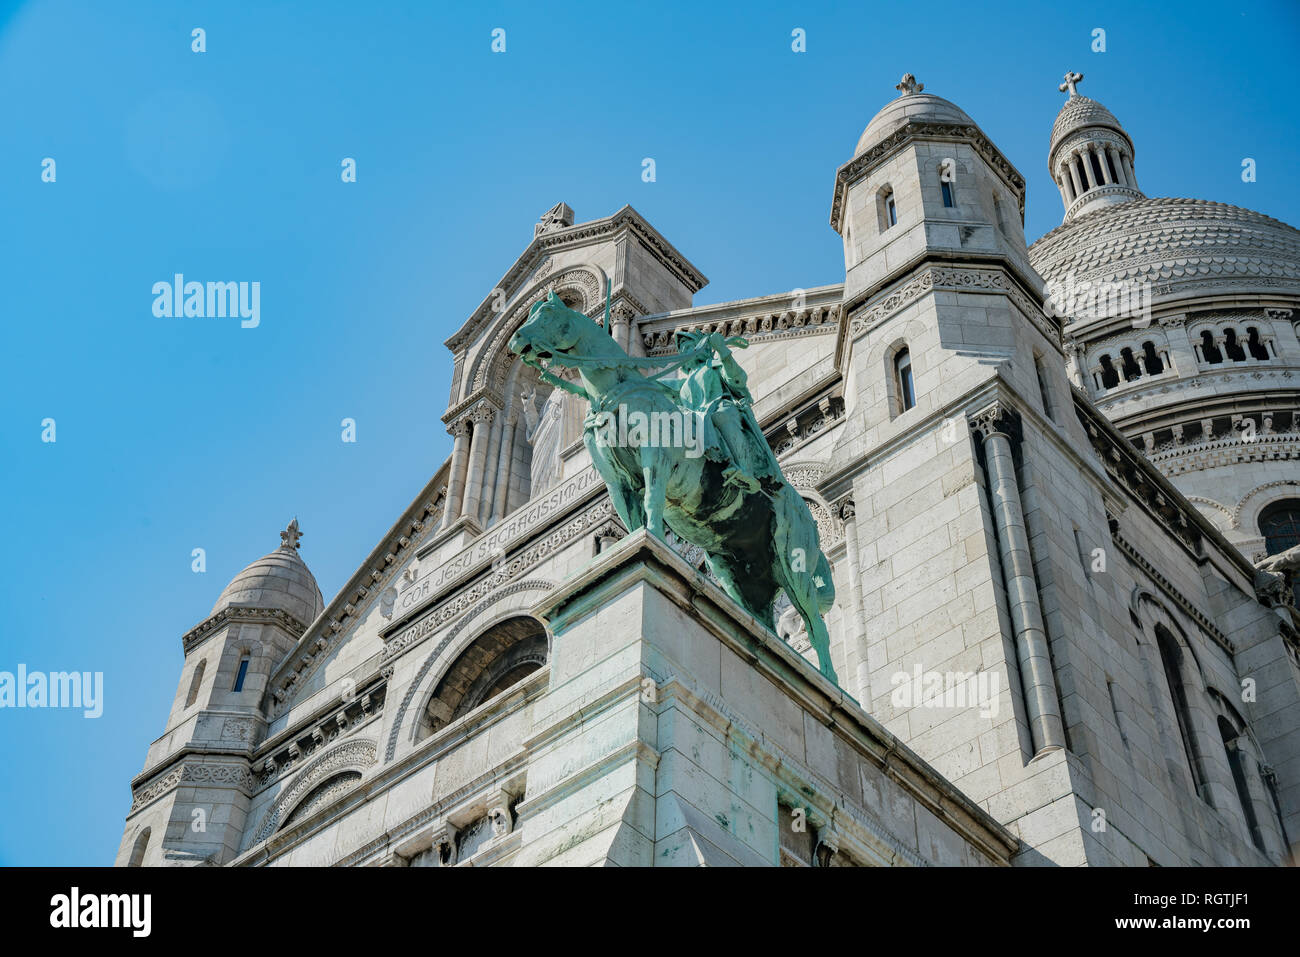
x,y
654,470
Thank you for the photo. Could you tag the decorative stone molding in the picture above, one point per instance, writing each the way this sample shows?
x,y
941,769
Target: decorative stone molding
x,y
1128,469
323,731
493,596
798,429
1167,587
765,326
998,418
232,614
190,772
351,756
937,278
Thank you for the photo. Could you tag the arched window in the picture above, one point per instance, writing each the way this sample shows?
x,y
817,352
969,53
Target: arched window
x,y
196,682
241,673
1209,351
1256,348
1236,751
1232,346
945,187
905,390
1279,523
1129,365
138,849
1150,359
886,211
1109,375
1171,658
499,658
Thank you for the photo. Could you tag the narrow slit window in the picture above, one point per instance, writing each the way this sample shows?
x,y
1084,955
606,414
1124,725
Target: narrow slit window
x,y
903,375
241,674
947,193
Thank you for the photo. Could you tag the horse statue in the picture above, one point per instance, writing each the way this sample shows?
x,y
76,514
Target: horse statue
x,y
689,456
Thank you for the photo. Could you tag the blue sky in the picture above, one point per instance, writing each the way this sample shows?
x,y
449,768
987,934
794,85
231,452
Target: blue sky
x,y
174,434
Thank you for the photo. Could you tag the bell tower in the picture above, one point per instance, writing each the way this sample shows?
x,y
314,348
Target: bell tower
x,y
1091,156
189,803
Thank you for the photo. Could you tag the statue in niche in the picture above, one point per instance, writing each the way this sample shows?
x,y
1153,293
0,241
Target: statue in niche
x,y
702,469
542,430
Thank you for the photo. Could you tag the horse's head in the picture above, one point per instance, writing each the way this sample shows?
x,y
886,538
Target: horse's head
x,y
552,330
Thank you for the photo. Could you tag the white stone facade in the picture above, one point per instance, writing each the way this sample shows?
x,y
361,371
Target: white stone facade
x,y
1047,654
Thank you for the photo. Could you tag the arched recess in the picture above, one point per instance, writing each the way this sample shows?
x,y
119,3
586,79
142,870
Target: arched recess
x,y
503,603
884,391
499,657
1247,511
582,288
342,766
139,847
1257,796
1180,702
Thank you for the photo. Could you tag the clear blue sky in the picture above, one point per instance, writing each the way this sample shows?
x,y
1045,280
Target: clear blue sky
x,y
177,434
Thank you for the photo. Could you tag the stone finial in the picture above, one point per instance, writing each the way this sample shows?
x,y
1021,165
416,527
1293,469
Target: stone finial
x,y
1072,80
557,217
908,85
289,537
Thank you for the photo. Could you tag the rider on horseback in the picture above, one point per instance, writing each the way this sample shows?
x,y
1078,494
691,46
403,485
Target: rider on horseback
x,y
714,388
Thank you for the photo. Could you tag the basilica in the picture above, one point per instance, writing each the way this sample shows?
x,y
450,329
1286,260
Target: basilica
x,y
1056,486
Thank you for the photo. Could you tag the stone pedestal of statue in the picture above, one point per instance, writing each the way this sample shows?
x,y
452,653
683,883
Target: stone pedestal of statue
x,y
678,731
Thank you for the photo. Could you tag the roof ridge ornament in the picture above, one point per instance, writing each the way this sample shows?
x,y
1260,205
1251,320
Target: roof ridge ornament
x,y
908,86
289,537
1072,80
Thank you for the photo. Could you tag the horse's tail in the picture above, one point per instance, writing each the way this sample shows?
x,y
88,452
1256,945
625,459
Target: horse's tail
x,y
825,584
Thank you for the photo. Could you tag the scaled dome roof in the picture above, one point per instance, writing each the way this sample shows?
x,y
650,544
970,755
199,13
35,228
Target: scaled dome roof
x,y
280,580
1080,112
1170,243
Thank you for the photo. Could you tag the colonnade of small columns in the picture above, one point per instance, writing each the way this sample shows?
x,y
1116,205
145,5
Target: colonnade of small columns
x,y
1076,171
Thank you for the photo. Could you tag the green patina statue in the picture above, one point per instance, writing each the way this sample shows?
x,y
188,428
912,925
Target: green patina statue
x,y
691,457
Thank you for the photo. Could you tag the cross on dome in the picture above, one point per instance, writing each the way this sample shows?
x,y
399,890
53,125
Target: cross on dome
x,y
1072,80
908,85
289,537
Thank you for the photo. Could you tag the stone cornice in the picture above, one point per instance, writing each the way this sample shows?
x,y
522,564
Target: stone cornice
x,y
626,219
478,399
241,613
1146,484
1176,596
936,275
860,165
201,774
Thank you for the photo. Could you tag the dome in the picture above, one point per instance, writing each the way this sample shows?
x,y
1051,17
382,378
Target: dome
x,y
1175,245
280,580
1080,112
909,106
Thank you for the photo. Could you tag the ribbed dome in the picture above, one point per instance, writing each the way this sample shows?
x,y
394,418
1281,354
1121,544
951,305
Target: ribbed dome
x,y
906,108
1080,112
1176,245
280,580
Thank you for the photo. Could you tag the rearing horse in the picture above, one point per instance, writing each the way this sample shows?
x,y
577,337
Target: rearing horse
x,y
757,540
